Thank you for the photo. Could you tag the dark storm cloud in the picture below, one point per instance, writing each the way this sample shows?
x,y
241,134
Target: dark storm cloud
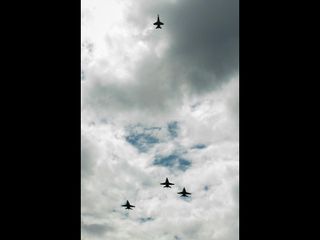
x,y
204,38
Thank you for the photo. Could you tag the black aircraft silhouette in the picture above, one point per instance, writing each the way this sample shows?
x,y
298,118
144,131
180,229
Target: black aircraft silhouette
x,y
184,193
127,205
167,183
158,23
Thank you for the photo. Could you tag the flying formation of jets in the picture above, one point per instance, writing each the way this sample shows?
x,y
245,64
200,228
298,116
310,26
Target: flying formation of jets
x,y
167,184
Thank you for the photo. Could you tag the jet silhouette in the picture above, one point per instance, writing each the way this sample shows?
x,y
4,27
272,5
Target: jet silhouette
x,y
158,23
167,183
128,205
184,193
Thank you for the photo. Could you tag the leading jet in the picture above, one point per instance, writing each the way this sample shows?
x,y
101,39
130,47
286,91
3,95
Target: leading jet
x,y
128,205
167,183
158,23
184,193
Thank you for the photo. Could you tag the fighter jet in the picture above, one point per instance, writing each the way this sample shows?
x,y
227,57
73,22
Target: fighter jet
x,y
128,205
167,183
158,23
184,193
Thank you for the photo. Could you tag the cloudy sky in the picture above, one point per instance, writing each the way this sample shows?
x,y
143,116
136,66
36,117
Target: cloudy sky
x,y
156,104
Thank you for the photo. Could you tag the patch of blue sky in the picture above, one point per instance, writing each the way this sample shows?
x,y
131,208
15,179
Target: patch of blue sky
x,y
142,137
173,129
143,142
172,161
184,164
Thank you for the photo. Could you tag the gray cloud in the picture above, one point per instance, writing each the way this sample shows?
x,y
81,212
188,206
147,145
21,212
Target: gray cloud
x,y
205,37
95,229
87,157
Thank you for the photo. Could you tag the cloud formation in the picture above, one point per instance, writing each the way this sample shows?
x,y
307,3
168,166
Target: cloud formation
x,y
159,104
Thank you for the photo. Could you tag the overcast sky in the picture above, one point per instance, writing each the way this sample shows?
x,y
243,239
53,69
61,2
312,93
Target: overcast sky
x,y
156,104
